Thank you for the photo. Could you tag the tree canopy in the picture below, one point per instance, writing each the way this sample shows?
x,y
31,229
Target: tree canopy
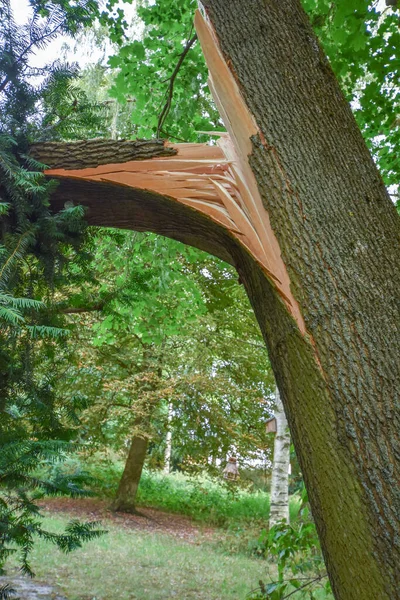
x,y
360,38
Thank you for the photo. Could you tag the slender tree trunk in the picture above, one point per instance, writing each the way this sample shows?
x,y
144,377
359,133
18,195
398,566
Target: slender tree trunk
x,y
168,442
114,121
125,499
280,469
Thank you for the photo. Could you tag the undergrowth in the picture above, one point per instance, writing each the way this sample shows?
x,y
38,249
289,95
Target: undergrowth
x,y
290,554
212,501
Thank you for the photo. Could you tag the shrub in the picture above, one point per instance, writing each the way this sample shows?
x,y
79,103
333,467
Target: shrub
x,y
296,550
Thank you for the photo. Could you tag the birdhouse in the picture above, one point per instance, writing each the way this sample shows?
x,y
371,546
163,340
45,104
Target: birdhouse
x,y
270,425
231,470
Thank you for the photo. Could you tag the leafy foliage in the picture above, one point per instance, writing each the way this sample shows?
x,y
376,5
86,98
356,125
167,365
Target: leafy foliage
x,y
360,40
362,43
146,66
175,329
296,550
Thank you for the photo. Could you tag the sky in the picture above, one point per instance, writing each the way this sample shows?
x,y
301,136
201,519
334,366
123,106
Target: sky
x,y
83,54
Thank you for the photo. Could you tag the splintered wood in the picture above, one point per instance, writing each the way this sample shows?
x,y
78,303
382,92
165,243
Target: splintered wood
x,y
241,126
214,180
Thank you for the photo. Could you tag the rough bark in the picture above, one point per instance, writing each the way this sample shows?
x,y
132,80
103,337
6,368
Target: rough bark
x,y
279,504
125,499
339,236
85,154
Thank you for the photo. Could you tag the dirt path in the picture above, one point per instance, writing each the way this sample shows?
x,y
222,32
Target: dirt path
x,y
148,519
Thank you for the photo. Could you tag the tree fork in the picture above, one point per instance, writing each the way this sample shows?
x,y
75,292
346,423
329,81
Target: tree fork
x,y
293,200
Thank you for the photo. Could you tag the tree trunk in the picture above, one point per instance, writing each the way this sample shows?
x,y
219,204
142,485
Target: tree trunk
x,y
280,469
339,236
126,494
168,442
329,311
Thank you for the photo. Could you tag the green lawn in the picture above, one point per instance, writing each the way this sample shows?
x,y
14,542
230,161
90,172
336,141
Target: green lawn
x,y
130,564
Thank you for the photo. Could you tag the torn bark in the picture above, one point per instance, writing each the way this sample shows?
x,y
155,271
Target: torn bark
x,y
83,154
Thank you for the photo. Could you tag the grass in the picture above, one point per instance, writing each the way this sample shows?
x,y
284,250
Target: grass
x,y
129,564
201,498
136,565
207,500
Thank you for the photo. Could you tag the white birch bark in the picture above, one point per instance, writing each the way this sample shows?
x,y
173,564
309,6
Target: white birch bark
x,y
168,443
114,122
280,469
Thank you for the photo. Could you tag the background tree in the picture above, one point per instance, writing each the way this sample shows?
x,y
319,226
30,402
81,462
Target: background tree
x,y
164,337
280,467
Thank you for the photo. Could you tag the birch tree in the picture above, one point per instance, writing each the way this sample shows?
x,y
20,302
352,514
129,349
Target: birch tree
x,y
279,502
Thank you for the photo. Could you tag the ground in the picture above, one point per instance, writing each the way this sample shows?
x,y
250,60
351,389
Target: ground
x,y
148,519
150,556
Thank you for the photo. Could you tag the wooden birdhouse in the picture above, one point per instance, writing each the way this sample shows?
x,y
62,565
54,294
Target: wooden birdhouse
x,y
270,425
231,470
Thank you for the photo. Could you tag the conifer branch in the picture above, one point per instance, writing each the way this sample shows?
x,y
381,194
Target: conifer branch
x,y
13,254
36,41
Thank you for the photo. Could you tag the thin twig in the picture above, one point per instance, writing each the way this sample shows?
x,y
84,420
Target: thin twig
x,y
173,136
167,106
309,582
305,585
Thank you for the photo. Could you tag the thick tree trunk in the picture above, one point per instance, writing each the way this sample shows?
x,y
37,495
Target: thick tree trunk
x,y
125,499
339,237
329,312
279,509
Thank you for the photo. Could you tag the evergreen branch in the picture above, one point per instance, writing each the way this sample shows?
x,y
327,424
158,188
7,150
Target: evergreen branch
x,y
7,592
12,317
46,35
14,253
42,331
